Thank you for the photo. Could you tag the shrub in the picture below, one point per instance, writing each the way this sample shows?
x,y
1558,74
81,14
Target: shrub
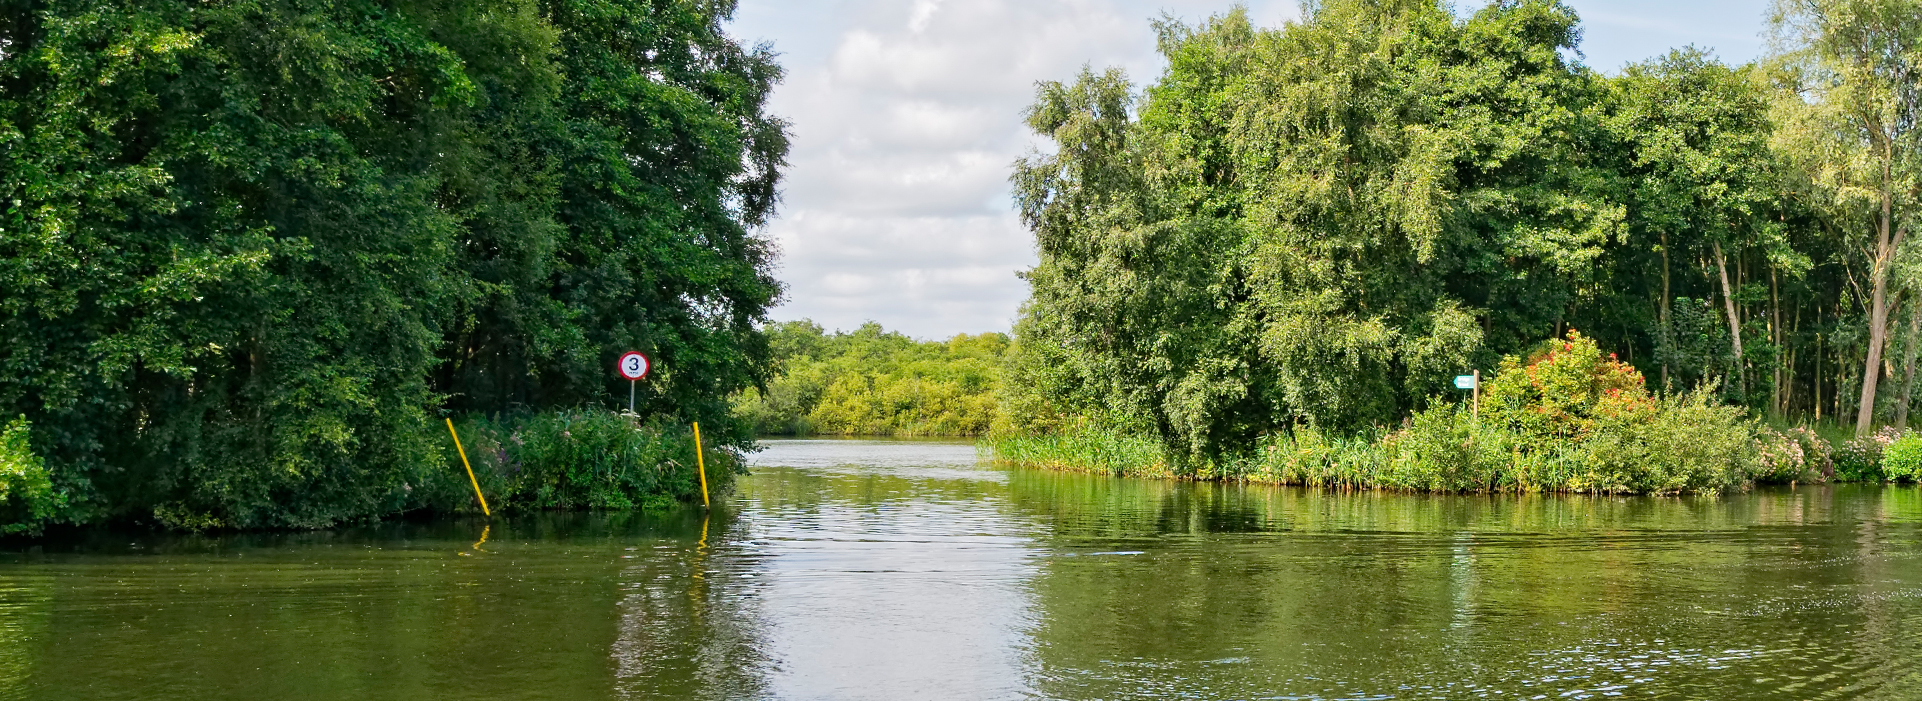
x,y
1566,389
1902,460
1781,457
582,459
1817,453
1569,420
27,497
1860,459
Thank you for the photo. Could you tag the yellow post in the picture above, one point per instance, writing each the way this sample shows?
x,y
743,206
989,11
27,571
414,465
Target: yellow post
x,y
700,460
470,470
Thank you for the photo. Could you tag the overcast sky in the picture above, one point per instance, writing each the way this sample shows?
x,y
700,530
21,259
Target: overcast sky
x,y
907,114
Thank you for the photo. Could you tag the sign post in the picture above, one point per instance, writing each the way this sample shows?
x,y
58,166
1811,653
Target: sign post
x,y
1472,383
633,366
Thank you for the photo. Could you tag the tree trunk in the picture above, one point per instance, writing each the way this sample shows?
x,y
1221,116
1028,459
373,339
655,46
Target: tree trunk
x,y
1908,364
1885,244
1666,331
1734,323
1776,395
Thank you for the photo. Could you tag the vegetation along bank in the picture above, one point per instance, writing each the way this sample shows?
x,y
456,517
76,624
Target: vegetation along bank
x,y
871,382
1270,262
251,253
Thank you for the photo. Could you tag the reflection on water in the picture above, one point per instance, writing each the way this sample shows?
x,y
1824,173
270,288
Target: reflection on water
x,y
888,569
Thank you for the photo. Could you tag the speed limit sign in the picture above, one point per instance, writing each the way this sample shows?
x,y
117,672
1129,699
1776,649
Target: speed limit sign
x,y
633,365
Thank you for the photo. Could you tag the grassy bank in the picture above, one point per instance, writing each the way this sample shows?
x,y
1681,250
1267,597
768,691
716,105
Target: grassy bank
x,y
1564,419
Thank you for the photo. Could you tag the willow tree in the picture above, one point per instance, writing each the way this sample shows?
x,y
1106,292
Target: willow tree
x,y
1317,224
1854,82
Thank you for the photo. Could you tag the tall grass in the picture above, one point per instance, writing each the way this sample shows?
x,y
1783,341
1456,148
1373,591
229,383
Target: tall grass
x,y
1084,448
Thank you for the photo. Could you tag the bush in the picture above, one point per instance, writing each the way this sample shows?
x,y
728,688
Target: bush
x,y
1817,453
1902,460
582,459
27,497
1568,420
1860,459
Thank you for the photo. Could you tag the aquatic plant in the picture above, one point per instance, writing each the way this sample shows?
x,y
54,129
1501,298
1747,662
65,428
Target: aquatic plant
x,y
1087,446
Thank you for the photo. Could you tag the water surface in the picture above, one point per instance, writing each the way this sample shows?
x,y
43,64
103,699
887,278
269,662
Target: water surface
x,y
889,570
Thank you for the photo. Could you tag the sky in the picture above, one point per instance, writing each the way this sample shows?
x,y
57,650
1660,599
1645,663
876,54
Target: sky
x,y
906,117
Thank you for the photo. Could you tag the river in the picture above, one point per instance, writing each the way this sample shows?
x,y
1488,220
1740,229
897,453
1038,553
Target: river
x,y
906,570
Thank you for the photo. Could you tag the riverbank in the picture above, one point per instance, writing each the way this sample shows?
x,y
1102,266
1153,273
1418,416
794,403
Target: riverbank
x,y
1567,418
1440,453
851,569
574,459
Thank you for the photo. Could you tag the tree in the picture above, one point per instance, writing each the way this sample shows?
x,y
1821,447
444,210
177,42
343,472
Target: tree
x,y
1318,224
248,249
1699,170
1854,100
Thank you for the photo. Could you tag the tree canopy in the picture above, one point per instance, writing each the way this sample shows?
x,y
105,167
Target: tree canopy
x,y
1319,225
249,248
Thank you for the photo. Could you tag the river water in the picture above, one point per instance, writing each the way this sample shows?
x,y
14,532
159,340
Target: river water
x,y
905,570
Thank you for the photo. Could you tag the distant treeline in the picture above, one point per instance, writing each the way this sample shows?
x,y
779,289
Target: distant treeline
x,y
872,382
1314,228
250,252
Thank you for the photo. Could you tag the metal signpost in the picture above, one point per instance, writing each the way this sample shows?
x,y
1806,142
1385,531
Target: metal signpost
x,y
1472,383
633,366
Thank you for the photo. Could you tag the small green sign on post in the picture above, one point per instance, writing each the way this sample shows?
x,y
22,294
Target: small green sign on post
x,y
1472,383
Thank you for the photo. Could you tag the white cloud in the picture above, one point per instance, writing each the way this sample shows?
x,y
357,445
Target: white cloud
x,y
907,116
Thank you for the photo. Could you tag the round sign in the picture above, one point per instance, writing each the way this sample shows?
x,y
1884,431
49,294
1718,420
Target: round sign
x,y
633,366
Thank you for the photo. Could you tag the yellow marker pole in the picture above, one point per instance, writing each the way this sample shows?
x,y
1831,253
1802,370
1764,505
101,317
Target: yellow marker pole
x,y
700,460
470,469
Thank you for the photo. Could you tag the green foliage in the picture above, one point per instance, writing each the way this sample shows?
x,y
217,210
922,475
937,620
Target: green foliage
x,y
27,498
1902,460
1568,419
248,250
1086,447
1566,390
875,383
1315,226
1860,459
580,459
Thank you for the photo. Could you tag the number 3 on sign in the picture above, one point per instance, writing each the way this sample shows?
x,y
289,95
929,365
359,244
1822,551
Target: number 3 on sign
x,y
633,366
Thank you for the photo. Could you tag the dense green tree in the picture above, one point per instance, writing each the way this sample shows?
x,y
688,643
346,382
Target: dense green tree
x,y
1317,224
248,248
1700,181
